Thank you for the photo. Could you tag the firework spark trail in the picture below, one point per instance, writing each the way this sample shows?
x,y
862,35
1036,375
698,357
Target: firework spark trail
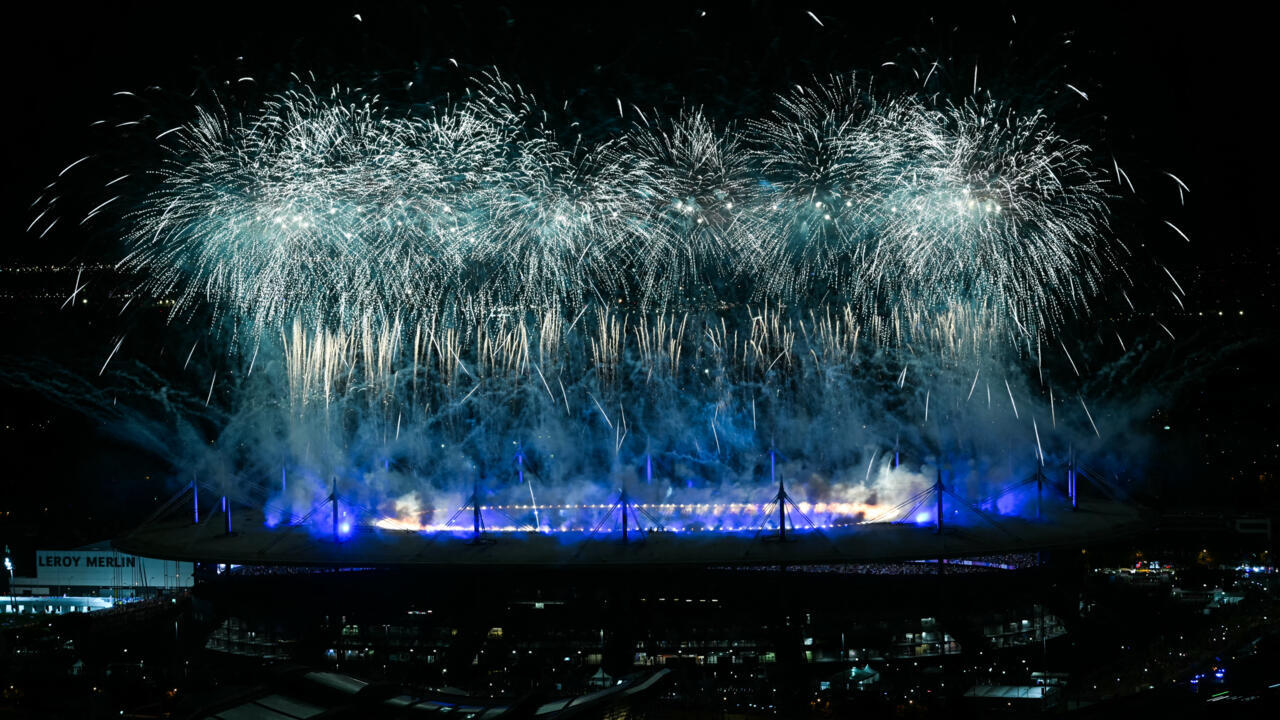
x,y
75,290
1090,416
114,350
1182,188
1078,91
1177,230
1013,404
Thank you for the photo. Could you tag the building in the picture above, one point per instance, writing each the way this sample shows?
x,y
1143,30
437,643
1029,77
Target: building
x,y
92,577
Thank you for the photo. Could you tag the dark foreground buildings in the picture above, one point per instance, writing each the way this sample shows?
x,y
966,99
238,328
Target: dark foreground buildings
x,y
1179,621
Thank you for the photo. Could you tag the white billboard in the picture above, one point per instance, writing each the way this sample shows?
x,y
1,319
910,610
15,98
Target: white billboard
x,y
109,569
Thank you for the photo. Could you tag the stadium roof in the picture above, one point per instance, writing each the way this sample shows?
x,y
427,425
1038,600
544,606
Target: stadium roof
x,y
244,538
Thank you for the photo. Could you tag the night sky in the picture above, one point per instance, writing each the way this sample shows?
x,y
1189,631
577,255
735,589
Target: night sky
x,y
1182,92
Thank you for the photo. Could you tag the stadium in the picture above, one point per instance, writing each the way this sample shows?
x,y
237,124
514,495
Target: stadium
x,y
626,533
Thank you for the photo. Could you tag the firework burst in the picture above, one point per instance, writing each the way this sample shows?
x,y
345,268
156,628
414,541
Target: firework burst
x,y
331,208
435,289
